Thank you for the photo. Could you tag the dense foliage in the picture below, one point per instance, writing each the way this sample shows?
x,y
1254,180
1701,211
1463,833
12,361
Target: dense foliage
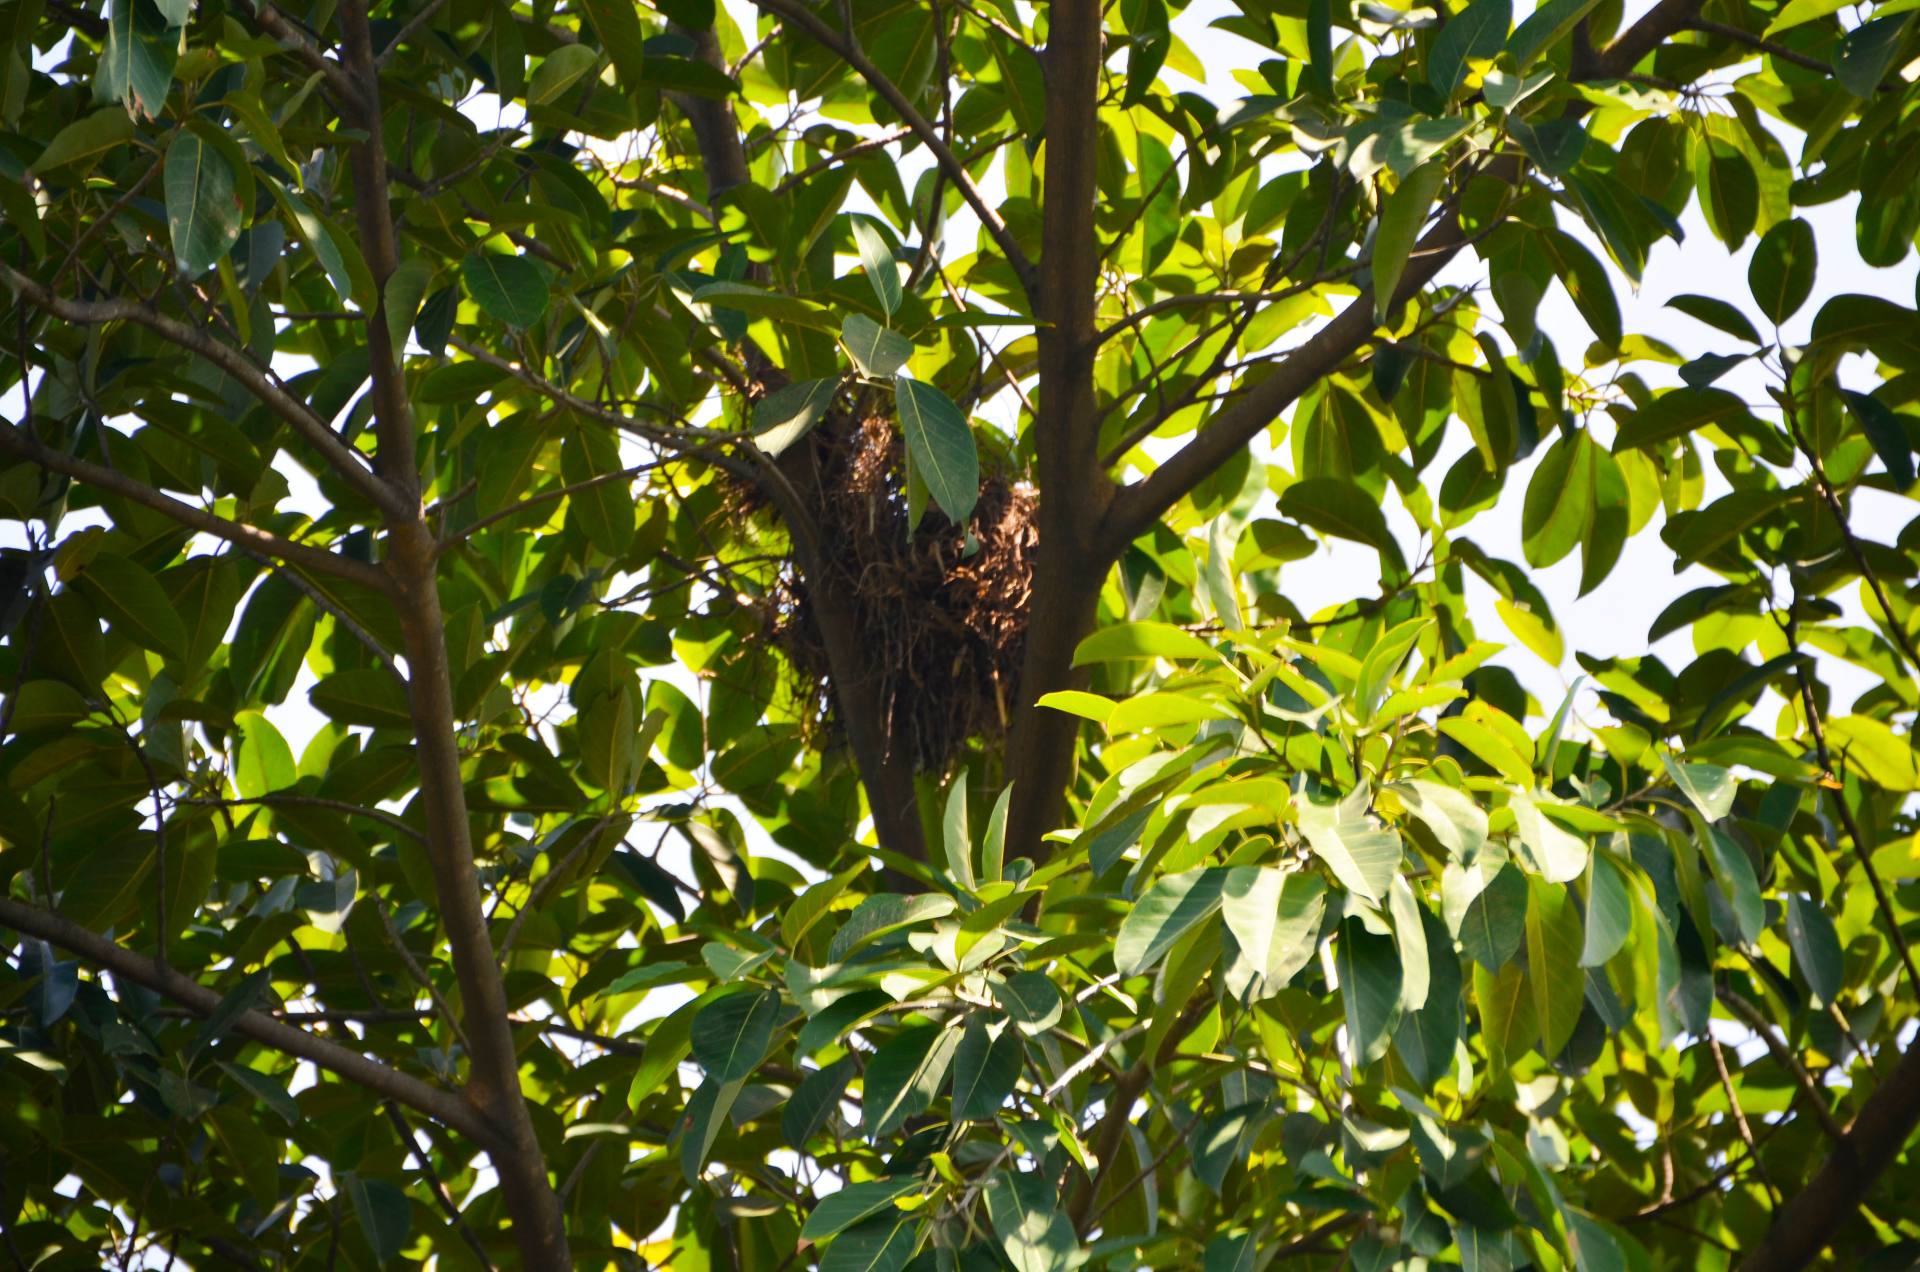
x,y
614,442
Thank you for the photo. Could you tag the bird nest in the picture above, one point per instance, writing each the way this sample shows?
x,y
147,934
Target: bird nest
x,y
942,630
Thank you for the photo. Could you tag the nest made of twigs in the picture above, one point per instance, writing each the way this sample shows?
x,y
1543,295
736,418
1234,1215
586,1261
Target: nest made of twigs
x,y
942,630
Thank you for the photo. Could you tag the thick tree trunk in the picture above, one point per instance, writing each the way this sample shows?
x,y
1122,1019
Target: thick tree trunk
x,y
1074,491
493,1081
1808,1223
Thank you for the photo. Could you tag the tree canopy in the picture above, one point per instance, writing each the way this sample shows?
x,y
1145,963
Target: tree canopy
x,y
660,636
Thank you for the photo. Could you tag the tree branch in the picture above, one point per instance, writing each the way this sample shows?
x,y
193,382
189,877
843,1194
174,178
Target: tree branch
x,y
342,458
319,560
269,18
1142,503
1807,1224
1751,1017
443,1106
493,1074
848,50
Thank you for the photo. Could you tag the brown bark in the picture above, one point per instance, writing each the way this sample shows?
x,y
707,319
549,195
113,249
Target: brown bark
x,y
443,1106
1072,565
493,1075
1808,1224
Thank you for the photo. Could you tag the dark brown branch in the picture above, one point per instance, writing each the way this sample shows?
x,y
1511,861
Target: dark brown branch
x,y
443,1106
844,46
1751,1017
319,560
308,801
1139,505
342,458
404,1129
543,498
493,1076
294,38
1808,1223
1772,48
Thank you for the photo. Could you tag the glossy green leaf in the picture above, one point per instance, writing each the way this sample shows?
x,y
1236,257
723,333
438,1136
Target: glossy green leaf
x,y
1168,910
985,1069
942,447
1781,272
1816,947
877,259
509,289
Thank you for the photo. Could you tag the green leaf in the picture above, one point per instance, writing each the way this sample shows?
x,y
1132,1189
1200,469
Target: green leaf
x,y
1609,910
133,601
1708,787
385,1215
1780,274
1476,33
1275,917
842,1210
729,1037
1734,873
1729,191
1718,313
1545,27
604,511
942,447
263,762
877,259
1382,662
1031,1222
954,835
1341,508
994,846
1553,967
1031,1001
509,289
702,1123
1816,948
1171,908
1150,38
1369,971
1495,920
1425,1039
617,23
1554,854
314,230
1363,855
1451,815
1401,217
1676,413
401,298
136,65
1119,641
786,415
1697,535
235,1003
985,1069
559,71
370,696
876,351
85,138
1559,509
885,1244
1866,53
1885,434
883,913
904,1076
1410,935
1586,281
815,1101
761,303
